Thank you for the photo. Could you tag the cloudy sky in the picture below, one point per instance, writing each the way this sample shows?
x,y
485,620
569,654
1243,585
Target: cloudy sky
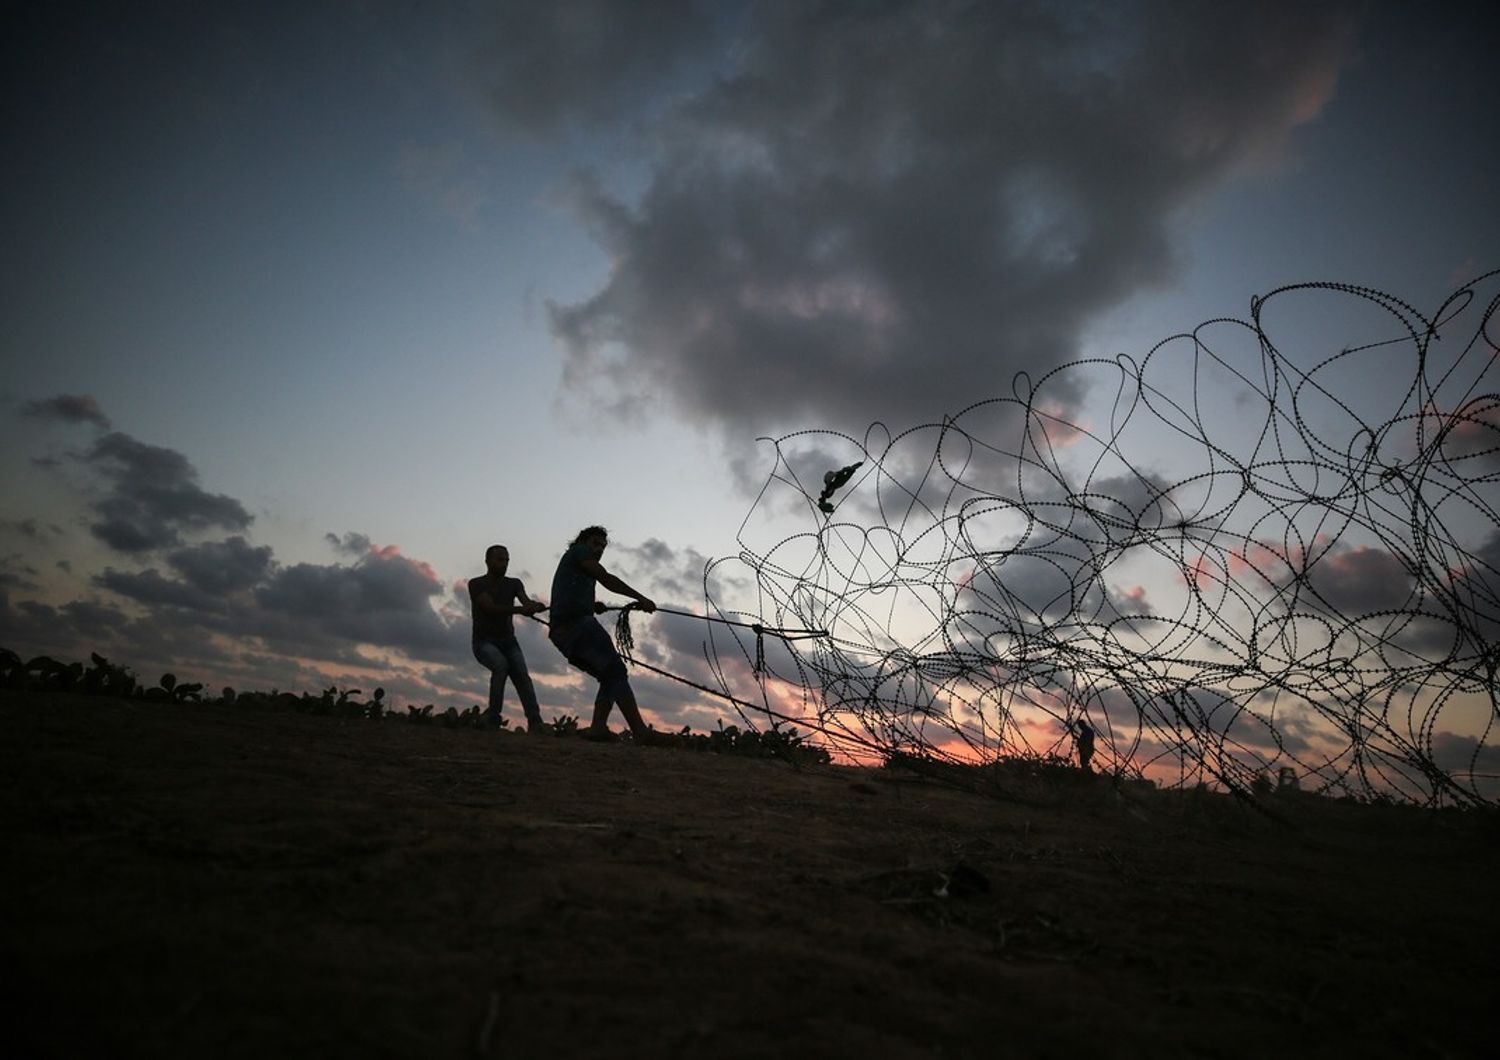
x,y
305,306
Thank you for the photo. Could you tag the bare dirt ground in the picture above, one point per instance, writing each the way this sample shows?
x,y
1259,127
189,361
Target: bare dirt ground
x,y
194,881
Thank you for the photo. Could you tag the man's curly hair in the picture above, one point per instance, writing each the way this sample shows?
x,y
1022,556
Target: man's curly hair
x,y
589,531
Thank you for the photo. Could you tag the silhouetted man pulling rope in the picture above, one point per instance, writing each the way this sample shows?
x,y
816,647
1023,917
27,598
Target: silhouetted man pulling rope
x,y
493,597
583,641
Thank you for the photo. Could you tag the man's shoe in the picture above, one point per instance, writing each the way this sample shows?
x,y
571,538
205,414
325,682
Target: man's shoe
x,y
597,735
538,728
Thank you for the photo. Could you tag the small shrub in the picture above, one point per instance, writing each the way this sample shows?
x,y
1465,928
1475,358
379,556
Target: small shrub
x,y
12,670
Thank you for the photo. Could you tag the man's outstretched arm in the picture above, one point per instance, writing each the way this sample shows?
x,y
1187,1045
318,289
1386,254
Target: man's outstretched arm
x,y
528,605
616,585
486,603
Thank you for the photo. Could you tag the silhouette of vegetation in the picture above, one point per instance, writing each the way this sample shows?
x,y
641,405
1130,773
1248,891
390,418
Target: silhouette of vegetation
x,y
104,678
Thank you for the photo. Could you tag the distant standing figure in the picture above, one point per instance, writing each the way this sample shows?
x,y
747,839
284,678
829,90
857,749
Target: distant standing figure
x,y
1085,744
493,597
583,641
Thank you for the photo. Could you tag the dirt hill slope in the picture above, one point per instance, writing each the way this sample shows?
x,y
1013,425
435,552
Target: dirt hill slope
x,y
191,881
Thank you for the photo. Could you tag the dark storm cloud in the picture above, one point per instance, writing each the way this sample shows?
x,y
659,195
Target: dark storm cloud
x,y
1489,550
150,588
309,611
1476,597
210,607
1053,575
16,573
886,210
1471,436
36,626
351,544
227,588
1377,587
68,408
1361,581
1459,754
153,496
551,63
220,567
377,583
238,593
31,529
676,574
382,600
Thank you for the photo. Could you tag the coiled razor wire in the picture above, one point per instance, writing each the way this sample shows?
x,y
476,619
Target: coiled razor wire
x,y
1237,560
